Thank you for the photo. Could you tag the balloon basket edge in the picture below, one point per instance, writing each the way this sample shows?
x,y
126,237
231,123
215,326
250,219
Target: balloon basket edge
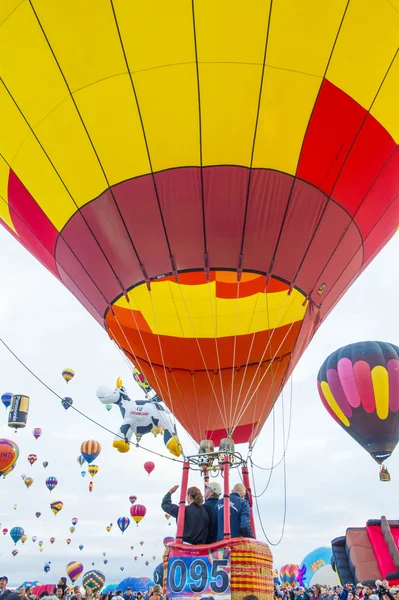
x,y
251,566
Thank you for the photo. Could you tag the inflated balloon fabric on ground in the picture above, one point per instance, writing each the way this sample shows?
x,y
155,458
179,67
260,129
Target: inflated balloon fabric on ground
x,y
207,178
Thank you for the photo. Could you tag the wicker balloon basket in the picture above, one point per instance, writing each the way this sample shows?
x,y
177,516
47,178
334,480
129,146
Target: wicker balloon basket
x,y
251,564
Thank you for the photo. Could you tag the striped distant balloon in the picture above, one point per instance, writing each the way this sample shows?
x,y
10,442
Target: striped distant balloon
x,y
123,523
37,432
90,450
359,387
68,374
138,512
288,574
67,402
56,506
6,399
51,483
74,570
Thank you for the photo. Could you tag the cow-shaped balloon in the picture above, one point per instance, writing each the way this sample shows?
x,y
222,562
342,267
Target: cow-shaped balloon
x,y
140,417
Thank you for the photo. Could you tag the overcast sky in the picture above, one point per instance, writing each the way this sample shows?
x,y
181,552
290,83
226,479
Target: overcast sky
x,y
331,482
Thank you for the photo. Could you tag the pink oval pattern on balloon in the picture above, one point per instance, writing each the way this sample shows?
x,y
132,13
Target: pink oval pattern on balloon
x,y
393,374
338,393
347,378
364,384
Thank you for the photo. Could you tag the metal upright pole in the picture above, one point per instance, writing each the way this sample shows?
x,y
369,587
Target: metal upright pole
x,y
182,502
226,498
247,483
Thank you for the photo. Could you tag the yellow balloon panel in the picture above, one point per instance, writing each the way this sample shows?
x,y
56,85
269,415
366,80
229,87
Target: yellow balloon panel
x,y
4,210
302,34
385,108
84,38
28,67
235,33
156,33
366,46
168,101
286,105
110,113
229,100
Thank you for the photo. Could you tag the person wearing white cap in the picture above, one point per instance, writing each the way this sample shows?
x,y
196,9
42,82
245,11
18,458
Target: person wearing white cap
x,y
213,492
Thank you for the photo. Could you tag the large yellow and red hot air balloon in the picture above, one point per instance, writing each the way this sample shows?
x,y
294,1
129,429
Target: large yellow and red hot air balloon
x,y
207,178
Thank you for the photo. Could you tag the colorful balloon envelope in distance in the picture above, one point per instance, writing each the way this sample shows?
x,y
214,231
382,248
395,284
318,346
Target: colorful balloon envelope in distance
x,y
359,387
68,374
41,549
123,523
52,540
41,543
51,483
24,538
108,407
83,473
56,506
74,521
81,547
132,499
67,402
146,563
74,570
81,460
168,540
45,464
91,485
9,452
122,568
32,458
93,470
149,466
28,481
14,552
288,574
37,514
108,528
6,399
105,561
68,541
141,542
138,512
71,529
135,557
16,534
4,531
90,450
46,568
104,554
93,580
34,538
37,432
15,506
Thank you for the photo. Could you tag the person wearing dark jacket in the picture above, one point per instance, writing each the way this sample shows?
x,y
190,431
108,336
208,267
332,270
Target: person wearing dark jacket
x,y
240,521
4,592
196,521
213,492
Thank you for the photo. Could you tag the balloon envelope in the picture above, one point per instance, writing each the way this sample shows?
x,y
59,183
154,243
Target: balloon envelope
x,y
67,402
68,374
56,506
28,481
313,562
37,432
149,466
6,399
9,452
32,458
94,580
288,574
90,450
123,523
138,512
359,387
267,180
132,499
16,534
74,570
51,483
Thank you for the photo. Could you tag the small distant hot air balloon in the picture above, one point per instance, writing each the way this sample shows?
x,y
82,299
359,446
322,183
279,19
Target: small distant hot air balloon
x,y
56,506
104,554
46,568
93,470
168,540
83,473
146,563
52,540
15,506
51,483
91,485
71,529
32,458
6,399
149,466
135,557
45,464
138,512
105,561
16,534
122,568
288,574
67,402
37,432
74,521
154,557
9,453
167,516
132,499
37,514
14,552
18,413
68,541
141,381
74,570
123,523
131,547
41,549
93,580
68,374
90,450
40,543
34,538
81,547
108,407
141,542
81,460
28,482
5,531
108,528
24,538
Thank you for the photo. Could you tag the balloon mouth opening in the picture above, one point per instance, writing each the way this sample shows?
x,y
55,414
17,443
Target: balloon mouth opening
x,y
381,456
